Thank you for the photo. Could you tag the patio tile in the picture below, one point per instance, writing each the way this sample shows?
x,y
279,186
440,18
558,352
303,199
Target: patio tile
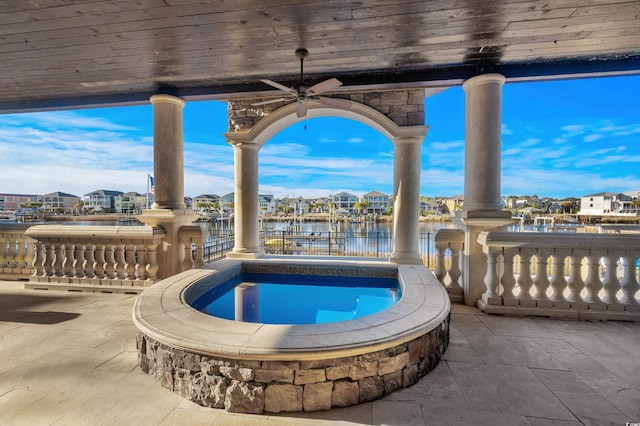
x,y
555,345
603,343
397,413
621,367
539,421
562,381
462,353
520,327
182,416
592,406
439,387
511,350
446,416
506,389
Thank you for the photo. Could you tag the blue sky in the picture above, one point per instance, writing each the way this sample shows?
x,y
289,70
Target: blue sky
x,y
559,139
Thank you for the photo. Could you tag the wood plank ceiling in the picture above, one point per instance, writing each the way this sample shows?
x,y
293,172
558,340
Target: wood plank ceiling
x,y
75,53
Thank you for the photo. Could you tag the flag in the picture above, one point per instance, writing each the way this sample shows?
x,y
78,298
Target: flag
x,y
152,184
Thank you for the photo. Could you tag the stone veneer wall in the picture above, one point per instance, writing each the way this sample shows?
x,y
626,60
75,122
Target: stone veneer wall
x,y
403,107
248,386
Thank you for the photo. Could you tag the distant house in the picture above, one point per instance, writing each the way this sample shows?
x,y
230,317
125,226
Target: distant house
x,y
227,203
453,204
101,200
131,202
266,204
344,201
206,202
603,203
11,202
59,201
377,202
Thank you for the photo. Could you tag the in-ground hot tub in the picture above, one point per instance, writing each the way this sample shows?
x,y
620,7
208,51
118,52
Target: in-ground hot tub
x,y
254,368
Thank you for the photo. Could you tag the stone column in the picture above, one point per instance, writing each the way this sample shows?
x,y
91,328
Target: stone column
x,y
168,152
482,208
168,211
246,218
406,200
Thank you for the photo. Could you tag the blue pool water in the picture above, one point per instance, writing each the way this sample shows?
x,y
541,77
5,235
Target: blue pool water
x,y
298,299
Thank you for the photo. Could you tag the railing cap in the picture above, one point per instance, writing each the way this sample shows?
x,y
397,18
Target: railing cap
x,y
72,231
559,240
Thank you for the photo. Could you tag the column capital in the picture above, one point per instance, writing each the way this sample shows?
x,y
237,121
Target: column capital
x,y
244,145
166,98
483,79
408,140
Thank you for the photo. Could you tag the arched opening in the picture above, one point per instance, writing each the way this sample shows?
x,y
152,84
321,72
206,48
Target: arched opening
x,y
406,180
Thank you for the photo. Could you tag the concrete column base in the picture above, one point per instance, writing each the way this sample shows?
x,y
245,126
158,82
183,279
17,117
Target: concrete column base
x,y
475,262
170,253
245,254
409,258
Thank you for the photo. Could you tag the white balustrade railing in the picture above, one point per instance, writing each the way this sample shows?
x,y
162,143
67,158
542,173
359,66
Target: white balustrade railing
x,y
104,258
16,254
192,238
561,274
449,253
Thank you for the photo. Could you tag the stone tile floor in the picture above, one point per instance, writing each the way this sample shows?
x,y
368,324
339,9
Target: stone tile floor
x,y
70,359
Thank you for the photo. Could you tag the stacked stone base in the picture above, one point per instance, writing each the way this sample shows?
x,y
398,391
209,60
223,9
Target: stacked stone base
x,y
259,386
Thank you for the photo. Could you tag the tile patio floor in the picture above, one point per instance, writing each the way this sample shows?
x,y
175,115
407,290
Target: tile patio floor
x,y
70,359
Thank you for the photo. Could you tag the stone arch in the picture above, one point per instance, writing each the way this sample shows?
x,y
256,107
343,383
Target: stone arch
x,y
285,116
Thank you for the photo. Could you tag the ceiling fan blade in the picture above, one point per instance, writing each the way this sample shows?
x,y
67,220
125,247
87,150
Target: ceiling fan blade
x,y
334,102
280,86
332,83
271,101
301,111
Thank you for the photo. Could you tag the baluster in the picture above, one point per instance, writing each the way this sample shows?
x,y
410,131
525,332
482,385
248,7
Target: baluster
x,y
187,262
490,297
49,270
152,262
199,257
29,254
79,261
100,264
541,281
558,281
593,282
130,261
508,280
11,252
39,259
610,281
110,261
68,261
20,251
89,261
575,282
58,259
525,281
141,270
119,261
454,271
440,271
4,245
629,281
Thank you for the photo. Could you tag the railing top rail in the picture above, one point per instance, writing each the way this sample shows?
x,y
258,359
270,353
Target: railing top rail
x,y
72,231
446,234
559,240
14,227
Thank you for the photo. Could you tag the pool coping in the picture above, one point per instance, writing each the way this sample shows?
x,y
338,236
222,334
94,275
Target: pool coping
x,y
161,314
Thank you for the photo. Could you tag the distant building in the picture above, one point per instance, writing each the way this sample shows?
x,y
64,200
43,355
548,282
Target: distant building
x,y
227,203
267,204
59,202
101,200
206,202
453,204
344,201
377,202
603,203
131,202
11,202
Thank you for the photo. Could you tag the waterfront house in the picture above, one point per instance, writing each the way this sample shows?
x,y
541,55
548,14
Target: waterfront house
x,y
604,203
131,202
59,202
453,204
267,204
11,202
344,201
206,202
377,202
101,200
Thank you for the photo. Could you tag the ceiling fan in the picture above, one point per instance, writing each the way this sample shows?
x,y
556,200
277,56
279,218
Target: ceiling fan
x,y
302,93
